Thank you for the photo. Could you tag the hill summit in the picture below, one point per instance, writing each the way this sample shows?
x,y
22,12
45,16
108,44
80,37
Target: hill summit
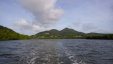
x,y
64,33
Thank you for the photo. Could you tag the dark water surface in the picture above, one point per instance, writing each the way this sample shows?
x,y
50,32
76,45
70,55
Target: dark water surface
x,y
70,51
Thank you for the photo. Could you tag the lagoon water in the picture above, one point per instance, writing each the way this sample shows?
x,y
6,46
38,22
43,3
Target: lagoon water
x,y
56,51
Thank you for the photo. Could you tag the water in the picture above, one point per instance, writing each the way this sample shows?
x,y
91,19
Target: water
x,y
70,51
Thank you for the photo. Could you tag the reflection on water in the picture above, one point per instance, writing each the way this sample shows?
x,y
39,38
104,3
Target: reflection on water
x,y
69,51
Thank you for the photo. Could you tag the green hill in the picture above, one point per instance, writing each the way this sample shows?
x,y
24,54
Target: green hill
x,y
98,36
8,34
66,33
47,34
70,33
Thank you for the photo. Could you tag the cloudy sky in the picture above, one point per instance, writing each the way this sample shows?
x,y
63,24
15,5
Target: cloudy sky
x,y
32,16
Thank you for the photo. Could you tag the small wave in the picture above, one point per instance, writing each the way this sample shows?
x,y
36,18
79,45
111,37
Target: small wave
x,y
70,55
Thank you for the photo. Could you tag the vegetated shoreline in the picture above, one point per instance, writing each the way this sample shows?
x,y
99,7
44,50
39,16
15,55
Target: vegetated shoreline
x,y
57,39
66,33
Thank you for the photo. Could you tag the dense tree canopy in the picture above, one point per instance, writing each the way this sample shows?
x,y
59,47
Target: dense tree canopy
x,y
8,34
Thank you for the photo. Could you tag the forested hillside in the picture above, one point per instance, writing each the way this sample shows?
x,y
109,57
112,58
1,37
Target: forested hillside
x,y
8,34
68,33
65,33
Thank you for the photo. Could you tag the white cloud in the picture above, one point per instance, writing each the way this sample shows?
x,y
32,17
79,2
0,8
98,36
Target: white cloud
x,y
45,11
26,27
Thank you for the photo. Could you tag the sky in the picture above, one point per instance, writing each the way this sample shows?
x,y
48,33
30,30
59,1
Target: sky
x,y
33,16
